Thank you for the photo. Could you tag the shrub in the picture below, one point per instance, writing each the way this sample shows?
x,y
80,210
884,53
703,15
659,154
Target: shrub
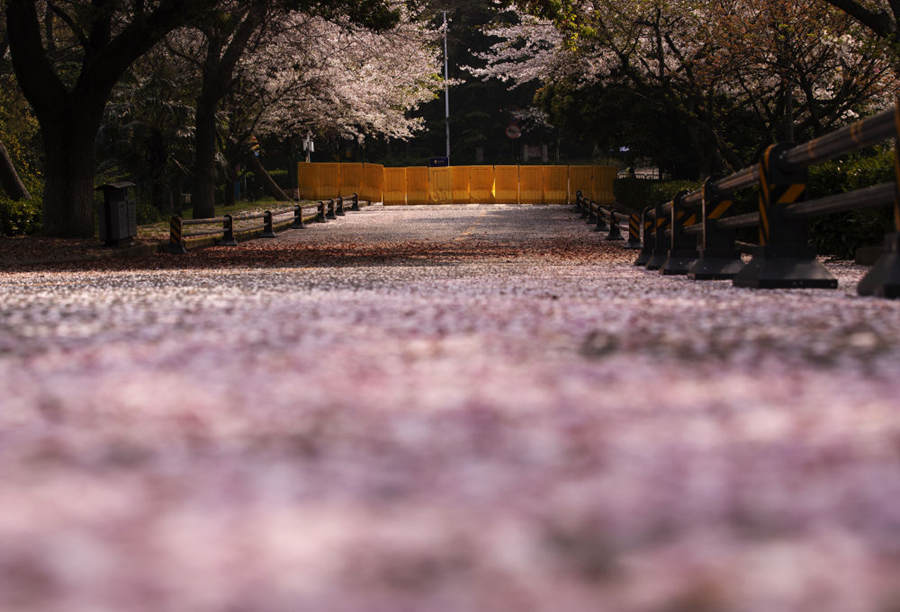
x,y
637,194
841,234
19,217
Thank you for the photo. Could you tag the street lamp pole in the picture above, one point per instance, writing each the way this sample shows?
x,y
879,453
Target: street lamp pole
x,y
446,90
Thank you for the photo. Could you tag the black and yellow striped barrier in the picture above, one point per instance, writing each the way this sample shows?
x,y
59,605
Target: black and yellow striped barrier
x,y
682,247
634,232
782,258
718,258
176,236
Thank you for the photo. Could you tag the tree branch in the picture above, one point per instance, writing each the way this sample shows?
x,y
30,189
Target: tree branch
x,y
877,21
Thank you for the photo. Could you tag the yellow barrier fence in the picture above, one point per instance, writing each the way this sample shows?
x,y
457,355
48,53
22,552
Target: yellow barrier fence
x,y
506,184
481,184
372,189
395,185
556,184
351,179
457,184
531,184
580,179
603,179
417,185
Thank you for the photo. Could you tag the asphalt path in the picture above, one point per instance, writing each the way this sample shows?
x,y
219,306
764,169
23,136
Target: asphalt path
x,y
443,408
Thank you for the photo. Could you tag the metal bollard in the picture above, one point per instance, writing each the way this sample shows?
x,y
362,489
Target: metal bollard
x,y
647,245
330,214
602,225
883,279
355,202
614,231
660,246
298,217
682,248
634,232
176,237
321,217
784,258
228,232
339,209
268,230
719,258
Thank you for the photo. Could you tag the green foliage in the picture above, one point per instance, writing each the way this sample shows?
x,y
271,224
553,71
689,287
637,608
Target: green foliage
x,y
841,234
281,177
147,213
637,194
20,217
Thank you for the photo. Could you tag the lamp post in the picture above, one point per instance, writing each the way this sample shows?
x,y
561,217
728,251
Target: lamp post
x,y
446,90
308,145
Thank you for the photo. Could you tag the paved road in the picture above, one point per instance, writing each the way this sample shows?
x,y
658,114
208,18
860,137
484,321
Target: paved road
x,y
452,408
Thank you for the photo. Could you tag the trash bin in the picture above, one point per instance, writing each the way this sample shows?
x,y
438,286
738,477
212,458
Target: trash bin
x,y
118,217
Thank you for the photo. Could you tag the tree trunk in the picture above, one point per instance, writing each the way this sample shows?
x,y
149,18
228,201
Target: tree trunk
x,y
268,182
9,178
69,171
203,196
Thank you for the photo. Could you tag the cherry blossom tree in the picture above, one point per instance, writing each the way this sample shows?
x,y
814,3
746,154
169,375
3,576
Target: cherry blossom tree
x,y
706,63
68,56
881,17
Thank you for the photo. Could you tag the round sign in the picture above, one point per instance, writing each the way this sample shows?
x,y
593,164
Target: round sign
x,y
513,131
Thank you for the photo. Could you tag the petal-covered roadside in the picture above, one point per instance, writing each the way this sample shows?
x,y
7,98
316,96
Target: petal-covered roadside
x,y
450,408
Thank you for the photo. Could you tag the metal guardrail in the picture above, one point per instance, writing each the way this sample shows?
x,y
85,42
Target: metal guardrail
x,y
237,224
691,234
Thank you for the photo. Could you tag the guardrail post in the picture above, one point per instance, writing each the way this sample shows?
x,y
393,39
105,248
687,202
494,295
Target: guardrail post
x,y
601,221
330,214
784,258
578,200
660,248
585,207
298,217
355,202
321,217
682,248
268,230
883,280
339,208
647,247
176,236
615,233
589,216
228,232
634,232
719,259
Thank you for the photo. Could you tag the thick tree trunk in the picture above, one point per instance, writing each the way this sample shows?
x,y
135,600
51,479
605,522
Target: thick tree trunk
x,y
9,178
69,171
203,196
268,182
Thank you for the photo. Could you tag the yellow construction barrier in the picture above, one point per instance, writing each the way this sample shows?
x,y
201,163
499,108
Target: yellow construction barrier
x,y
459,184
395,185
351,179
440,191
307,181
417,185
372,189
580,179
481,184
531,184
329,181
556,184
506,184
604,177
